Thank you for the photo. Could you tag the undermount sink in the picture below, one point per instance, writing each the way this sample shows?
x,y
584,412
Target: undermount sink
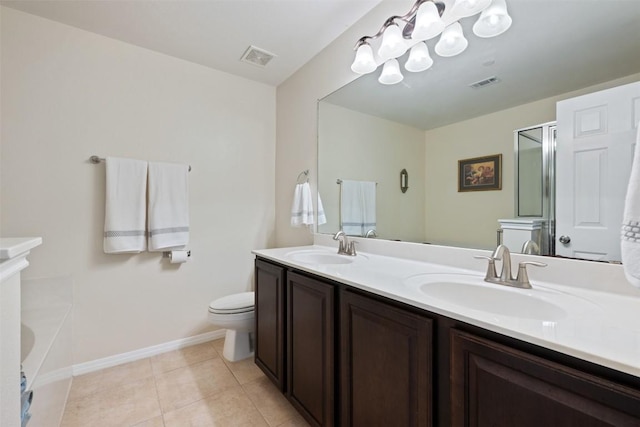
x,y
472,292
319,257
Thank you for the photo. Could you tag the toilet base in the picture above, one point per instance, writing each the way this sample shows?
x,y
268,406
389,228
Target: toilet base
x,y
238,345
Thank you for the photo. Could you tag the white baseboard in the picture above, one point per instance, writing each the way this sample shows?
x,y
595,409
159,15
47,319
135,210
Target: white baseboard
x,y
143,353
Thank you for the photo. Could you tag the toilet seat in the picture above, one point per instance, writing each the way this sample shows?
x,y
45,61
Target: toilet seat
x,y
243,302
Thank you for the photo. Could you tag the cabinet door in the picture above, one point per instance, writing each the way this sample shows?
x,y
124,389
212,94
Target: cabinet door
x,y
495,385
269,335
310,337
386,364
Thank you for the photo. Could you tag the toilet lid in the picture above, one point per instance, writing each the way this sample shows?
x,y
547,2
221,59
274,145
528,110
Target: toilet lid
x,y
236,303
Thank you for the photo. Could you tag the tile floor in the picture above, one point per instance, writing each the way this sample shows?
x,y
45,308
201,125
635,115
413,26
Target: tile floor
x,y
194,386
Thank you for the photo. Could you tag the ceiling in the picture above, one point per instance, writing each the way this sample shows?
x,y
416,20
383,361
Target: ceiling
x,y
214,33
552,47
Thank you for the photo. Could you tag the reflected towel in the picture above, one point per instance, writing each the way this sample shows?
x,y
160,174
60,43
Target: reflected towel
x,y
322,218
302,206
630,245
369,209
357,207
125,206
168,206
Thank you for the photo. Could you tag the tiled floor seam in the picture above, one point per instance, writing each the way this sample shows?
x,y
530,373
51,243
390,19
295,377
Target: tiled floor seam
x,y
254,404
155,386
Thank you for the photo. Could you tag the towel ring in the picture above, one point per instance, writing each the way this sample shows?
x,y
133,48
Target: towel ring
x,y
306,176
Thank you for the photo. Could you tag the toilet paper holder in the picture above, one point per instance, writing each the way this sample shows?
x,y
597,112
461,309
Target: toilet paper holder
x,y
167,254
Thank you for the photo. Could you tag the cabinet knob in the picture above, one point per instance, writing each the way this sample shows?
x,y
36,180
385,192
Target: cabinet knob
x,y
565,240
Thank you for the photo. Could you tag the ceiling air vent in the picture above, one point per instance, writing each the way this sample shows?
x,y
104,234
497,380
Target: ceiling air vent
x,y
256,56
485,82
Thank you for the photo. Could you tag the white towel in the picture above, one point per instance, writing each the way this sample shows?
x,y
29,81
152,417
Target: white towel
x,y
168,206
369,209
322,218
630,244
125,206
302,206
357,207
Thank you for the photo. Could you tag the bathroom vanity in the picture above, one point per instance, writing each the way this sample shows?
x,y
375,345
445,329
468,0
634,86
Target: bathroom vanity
x,y
374,340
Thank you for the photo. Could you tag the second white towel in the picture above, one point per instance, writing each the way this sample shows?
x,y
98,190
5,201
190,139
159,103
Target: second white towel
x,y
168,206
357,207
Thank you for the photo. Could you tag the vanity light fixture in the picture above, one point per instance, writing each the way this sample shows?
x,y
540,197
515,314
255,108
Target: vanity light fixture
x,y
424,22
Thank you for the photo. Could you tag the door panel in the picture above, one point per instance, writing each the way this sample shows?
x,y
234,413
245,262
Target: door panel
x,y
595,137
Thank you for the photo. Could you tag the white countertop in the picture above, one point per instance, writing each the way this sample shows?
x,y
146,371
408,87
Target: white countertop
x,y
597,326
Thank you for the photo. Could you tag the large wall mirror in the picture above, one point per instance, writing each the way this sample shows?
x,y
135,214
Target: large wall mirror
x,y
432,120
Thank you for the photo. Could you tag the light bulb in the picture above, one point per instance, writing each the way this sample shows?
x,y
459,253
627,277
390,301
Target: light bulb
x,y
419,58
390,73
428,22
364,62
464,8
493,21
393,45
452,41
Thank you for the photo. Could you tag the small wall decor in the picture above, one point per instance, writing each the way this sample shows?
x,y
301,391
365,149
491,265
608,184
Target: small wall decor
x,y
404,180
480,173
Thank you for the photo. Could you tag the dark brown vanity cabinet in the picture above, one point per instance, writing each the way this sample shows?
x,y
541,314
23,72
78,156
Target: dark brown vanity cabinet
x,y
386,364
345,357
270,321
310,348
496,385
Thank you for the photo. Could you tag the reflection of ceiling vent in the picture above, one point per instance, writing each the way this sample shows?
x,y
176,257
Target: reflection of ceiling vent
x,y
256,56
485,82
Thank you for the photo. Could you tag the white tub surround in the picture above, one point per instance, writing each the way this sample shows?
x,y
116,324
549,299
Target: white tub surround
x,y
598,309
13,259
47,305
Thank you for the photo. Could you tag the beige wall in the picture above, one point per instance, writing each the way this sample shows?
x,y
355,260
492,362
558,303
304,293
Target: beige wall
x,y
297,98
68,94
363,147
469,219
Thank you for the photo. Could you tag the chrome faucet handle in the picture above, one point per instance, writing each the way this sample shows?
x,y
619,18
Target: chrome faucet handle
x,y
491,267
351,249
522,280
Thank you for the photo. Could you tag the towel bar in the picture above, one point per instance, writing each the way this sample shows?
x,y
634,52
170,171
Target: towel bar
x,y
95,160
306,175
339,181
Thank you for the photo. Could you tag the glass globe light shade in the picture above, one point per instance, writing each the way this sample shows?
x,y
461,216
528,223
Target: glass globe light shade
x,y
452,41
428,22
393,45
390,73
464,8
493,21
419,58
364,62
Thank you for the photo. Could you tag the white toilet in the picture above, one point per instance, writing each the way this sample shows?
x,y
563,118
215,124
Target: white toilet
x,y
235,313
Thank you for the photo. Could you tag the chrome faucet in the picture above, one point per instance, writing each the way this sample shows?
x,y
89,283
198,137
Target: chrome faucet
x,y
502,253
530,247
371,233
345,247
